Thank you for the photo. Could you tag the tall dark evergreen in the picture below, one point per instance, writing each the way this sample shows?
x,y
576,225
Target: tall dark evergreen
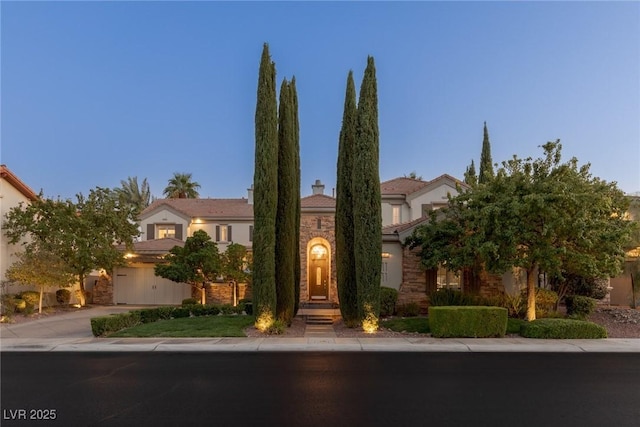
x,y
296,129
265,182
486,164
345,255
470,176
286,218
366,202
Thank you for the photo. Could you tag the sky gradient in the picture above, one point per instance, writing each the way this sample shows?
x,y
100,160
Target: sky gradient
x,y
94,92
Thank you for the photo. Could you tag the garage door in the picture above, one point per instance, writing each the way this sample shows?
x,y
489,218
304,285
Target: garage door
x,y
139,285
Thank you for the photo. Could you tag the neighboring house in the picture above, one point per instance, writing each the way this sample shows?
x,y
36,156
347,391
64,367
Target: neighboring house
x,y
620,292
405,203
12,192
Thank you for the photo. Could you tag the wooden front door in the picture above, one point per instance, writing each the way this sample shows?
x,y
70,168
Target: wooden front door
x,y
319,274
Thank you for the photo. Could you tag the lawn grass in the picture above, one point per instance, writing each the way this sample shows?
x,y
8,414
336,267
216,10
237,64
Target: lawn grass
x,y
407,324
198,327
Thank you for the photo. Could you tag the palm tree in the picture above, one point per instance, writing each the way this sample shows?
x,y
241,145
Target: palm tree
x,y
181,187
138,196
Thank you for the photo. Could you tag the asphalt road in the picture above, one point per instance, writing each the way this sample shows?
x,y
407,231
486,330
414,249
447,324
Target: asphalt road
x,y
320,389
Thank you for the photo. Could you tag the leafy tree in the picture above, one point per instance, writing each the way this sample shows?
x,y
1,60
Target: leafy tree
x,y
470,176
265,195
414,175
134,194
486,164
538,215
41,268
196,263
345,256
180,186
367,202
83,234
236,266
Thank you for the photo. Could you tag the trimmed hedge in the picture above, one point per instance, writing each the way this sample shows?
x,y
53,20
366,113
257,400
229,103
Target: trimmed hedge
x,y
467,321
562,329
106,325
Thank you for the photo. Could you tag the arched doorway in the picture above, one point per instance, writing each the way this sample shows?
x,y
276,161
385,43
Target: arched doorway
x,y
318,269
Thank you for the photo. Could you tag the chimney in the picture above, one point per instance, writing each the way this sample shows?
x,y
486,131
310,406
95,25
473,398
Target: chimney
x,y
318,187
250,195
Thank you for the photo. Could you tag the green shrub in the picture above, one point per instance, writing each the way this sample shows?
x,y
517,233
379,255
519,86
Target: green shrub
x,y
8,305
514,325
31,297
467,321
516,305
205,310
227,309
410,309
106,325
545,301
165,312
190,301
579,306
277,328
562,329
150,315
63,296
388,299
450,297
19,304
180,312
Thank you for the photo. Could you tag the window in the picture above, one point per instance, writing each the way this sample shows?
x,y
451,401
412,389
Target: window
x,y
319,224
396,216
449,279
223,233
251,233
165,231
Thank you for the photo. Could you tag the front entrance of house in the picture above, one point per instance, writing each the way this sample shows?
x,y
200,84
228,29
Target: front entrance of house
x,y
318,271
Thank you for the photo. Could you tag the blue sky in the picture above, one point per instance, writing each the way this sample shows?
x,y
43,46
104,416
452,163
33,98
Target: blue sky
x,y
94,92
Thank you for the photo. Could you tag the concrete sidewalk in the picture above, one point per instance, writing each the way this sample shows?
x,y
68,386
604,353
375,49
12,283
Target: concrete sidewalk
x,y
72,332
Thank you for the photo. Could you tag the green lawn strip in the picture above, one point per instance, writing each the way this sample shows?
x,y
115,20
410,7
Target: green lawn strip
x,y
513,325
198,327
407,324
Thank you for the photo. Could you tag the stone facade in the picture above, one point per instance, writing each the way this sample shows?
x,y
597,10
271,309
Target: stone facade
x,y
103,290
413,288
317,229
222,293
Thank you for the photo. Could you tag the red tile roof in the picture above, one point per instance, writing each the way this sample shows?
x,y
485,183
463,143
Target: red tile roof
x,y
156,246
402,185
12,179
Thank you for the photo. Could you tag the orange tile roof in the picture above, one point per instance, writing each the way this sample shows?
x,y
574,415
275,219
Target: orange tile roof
x,y
318,201
156,246
12,179
206,208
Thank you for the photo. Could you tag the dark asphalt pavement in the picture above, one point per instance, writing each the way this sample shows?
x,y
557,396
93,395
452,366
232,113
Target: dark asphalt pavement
x,y
320,389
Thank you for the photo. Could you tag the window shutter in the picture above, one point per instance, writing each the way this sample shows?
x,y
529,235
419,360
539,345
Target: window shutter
x,y
217,233
229,238
251,233
151,231
179,231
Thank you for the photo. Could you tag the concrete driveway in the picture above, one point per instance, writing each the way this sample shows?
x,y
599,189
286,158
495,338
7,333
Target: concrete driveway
x,y
74,324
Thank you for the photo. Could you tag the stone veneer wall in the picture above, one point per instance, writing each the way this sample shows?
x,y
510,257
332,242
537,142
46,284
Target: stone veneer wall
x,y
103,290
308,231
413,288
222,293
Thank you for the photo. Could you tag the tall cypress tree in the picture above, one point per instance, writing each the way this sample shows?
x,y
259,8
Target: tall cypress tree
x,y
296,140
345,256
366,202
286,218
265,183
486,164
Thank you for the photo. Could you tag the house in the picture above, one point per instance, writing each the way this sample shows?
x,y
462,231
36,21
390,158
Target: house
x,y
620,286
405,203
13,192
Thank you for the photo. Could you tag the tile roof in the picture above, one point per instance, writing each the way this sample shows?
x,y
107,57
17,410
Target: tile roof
x,y
206,208
12,179
402,185
154,246
318,201
399,228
